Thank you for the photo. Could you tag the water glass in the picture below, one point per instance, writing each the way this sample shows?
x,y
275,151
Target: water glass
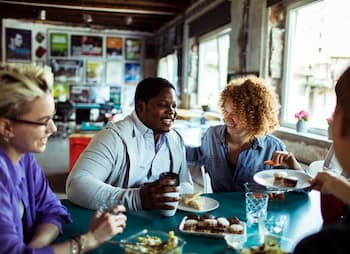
x,y
106,205
275,223
256,207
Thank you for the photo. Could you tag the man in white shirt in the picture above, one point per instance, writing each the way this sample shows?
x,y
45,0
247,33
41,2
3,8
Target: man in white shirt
x,y
123,161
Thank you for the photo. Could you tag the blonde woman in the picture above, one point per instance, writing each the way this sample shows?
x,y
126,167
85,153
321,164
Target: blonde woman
x,y
233,152
31,217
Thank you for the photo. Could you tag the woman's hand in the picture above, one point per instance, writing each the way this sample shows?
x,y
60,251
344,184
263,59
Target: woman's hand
x,y
286,160
104,226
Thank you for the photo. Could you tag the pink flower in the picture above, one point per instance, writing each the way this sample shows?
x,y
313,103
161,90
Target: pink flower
x,y
302,115
330,119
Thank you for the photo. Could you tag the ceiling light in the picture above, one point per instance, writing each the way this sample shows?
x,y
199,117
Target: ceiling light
x,y
42,15
87,18
129,20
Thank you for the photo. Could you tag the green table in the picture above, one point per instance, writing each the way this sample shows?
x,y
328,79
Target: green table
x,y
301,210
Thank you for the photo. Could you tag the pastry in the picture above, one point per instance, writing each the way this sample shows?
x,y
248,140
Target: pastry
x,y
206,216
234,220
193,200
236,229
290,181
190,224
207,223
223,222
278,177
197,204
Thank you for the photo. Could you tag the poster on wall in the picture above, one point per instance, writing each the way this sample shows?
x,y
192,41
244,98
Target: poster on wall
x,y
98,94
84,45
79,94
132,49
115,94
65,70
132,73
114,47
18,45
94,72
60,91
58,44
114,73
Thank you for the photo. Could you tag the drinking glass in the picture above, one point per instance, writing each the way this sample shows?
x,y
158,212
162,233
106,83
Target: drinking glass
x,y
256,207
106,205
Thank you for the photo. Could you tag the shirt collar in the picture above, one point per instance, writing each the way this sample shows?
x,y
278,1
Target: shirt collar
x,y
143,129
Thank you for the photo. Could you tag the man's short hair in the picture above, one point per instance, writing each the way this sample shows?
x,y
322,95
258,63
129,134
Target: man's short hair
x,y
150,87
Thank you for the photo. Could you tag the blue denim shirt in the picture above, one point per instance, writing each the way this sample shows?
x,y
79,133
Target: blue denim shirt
x,y
212,154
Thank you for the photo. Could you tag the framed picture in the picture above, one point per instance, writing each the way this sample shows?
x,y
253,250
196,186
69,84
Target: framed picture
x,y
132,73
79,94
98,94
132,49
60,92
18,45
86,45
114,47
65,70
94,72
114,73
115,94
58,44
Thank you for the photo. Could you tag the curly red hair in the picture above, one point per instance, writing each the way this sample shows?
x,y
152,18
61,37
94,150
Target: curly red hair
x,y
254,102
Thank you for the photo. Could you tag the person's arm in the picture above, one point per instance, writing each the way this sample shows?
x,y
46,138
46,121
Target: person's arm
x,y
44,235
194,154
102,228
86,184
329,183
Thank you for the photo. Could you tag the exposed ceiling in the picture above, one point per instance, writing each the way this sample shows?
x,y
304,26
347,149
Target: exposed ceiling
x,y
135,15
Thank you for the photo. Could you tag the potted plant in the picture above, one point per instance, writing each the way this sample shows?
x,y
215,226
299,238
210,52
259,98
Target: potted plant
x,y
302,117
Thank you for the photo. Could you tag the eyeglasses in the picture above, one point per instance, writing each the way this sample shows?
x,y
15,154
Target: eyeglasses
x,y
45,123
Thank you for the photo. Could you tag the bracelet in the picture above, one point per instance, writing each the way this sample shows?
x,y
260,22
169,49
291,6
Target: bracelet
x,y
74,246
81,241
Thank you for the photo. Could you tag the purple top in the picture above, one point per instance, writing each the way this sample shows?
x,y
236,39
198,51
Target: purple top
x,y
26,182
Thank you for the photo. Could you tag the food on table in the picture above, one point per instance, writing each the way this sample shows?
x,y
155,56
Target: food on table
x,y
207,223
290,181
275,196
269,247
278,177
193,200
283,179
153,245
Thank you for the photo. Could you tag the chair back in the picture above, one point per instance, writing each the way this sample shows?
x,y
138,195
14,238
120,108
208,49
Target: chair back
x,y
206,181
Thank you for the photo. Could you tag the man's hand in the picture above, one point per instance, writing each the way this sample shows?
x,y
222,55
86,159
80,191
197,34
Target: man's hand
x,y
152,194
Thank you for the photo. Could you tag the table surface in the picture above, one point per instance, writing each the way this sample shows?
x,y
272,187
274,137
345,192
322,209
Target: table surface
x,y
301,210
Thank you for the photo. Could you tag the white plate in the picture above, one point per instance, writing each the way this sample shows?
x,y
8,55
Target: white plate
x,y
266,178
209,234
209,205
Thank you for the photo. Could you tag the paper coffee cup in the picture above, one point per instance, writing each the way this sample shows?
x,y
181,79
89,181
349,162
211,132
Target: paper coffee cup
x,y
174,204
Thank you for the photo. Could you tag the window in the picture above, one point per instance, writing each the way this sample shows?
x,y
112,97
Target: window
x,y
167,68
212,68
317,52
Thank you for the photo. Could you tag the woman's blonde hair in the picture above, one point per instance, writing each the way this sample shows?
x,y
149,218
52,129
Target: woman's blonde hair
x,y
255,103
20,84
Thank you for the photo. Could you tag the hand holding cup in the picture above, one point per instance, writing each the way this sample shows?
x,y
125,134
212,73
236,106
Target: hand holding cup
x,y
169,182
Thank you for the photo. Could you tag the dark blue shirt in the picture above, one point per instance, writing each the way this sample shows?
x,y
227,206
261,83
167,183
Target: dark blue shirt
x,y
225,177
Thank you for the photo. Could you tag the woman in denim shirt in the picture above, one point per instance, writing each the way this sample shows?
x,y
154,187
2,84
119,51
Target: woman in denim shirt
x,y
233,152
